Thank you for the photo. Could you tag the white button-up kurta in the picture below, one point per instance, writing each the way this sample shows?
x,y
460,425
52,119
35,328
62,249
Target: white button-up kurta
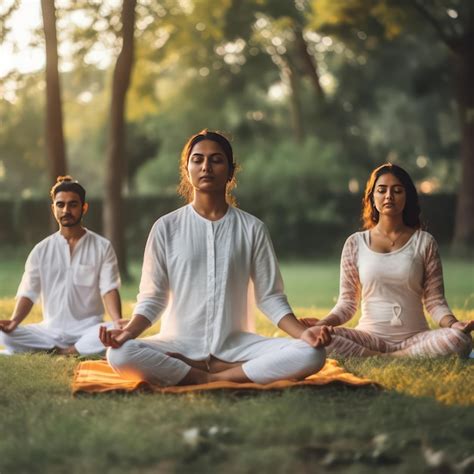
x,y
70,287
199,271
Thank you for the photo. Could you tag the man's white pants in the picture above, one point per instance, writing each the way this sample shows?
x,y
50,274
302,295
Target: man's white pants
x,y
265,361
39,337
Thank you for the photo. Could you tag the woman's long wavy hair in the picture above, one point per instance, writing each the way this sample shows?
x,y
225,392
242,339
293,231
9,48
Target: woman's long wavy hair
x,y
185,189
411,212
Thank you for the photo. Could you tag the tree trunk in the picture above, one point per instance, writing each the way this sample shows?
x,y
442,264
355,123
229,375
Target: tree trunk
x,y
289,75
309,64
464,225
55,146
113,202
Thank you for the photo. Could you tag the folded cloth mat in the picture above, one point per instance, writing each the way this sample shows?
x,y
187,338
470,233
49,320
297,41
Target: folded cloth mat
x,y
96,376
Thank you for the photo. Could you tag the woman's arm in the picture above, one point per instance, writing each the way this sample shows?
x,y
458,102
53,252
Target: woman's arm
x,y
315,337
433,286
292,326
349,289
116,337
266,277
433,292
330,320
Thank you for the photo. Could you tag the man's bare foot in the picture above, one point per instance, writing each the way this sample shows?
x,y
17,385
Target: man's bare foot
x,y
69,351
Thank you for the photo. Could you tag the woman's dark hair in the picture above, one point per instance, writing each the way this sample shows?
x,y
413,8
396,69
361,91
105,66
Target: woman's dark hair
x,y
69,185
411,212
185,188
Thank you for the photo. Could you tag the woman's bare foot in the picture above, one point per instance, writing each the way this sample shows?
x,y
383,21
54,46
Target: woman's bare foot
x,y
212,366
201,365
195,377
234,374
217,365
369,353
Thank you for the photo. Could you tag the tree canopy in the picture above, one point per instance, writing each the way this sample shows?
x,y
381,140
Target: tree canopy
x,y
314,93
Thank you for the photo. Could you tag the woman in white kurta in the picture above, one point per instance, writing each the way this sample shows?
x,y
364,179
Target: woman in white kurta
x,y
198,263
394,268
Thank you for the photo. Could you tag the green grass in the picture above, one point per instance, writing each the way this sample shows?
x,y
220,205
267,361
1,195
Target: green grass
x,y
312,284
424,413
44,429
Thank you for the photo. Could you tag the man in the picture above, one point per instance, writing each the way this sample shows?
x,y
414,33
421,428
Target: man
x,y
75,273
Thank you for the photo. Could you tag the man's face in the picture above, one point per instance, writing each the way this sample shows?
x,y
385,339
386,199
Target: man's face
x,y
68,209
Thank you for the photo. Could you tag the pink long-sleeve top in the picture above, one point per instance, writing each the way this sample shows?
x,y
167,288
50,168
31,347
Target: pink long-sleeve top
x,y
392,287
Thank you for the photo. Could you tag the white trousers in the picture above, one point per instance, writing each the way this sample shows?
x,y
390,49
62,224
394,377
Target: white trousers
x,y
266,361
39,337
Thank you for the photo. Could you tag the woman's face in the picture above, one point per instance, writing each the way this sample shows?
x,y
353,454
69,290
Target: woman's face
x,y
389,195
208,167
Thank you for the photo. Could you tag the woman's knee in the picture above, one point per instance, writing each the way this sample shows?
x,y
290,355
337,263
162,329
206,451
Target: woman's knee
x,y
122,356
312,358
462,342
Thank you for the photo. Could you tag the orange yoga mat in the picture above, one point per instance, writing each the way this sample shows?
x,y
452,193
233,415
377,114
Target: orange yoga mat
x,y
98,377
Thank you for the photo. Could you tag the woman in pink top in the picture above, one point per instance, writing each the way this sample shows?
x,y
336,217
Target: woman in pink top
x,y
393,268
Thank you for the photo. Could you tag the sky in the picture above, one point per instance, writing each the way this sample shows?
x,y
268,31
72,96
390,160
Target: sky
x,y
16,52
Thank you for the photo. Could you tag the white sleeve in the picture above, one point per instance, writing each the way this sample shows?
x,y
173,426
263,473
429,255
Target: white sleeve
x,y
109,278
266,277
153,296
30,286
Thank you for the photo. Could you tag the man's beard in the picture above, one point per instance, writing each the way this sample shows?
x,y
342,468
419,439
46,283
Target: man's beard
x,y
71,222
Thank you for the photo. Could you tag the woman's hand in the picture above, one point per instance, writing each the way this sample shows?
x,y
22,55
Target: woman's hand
x,y
318,336
114,338
310,322
464,326
121,323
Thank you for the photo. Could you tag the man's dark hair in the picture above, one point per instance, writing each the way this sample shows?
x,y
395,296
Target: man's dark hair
x,y
69,185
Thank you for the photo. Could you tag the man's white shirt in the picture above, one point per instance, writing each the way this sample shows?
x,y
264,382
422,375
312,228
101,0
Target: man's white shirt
x,y
70,286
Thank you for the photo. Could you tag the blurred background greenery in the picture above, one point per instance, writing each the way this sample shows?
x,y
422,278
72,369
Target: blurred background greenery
x,y
313,93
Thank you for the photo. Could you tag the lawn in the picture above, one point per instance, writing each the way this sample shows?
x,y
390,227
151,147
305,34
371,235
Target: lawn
x,y
313,284
421,421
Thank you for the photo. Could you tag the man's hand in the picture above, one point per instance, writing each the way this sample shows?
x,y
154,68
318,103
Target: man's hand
x,y
114,338
310,322
464,326
318,336
8,325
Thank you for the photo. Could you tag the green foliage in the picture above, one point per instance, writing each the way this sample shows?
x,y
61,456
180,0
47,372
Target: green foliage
x,y
200,65
22,160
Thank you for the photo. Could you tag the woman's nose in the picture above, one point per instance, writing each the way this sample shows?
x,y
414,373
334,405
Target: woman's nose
x,y
206,164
